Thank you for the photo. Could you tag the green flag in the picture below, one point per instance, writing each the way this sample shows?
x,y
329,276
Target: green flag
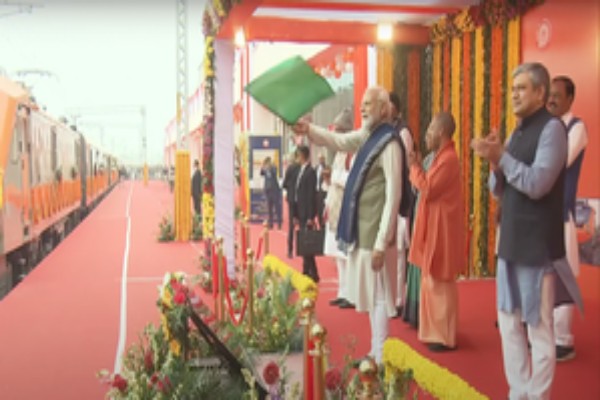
x,y
290,89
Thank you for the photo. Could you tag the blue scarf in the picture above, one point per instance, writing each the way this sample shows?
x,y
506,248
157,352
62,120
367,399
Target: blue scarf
x,y
347,230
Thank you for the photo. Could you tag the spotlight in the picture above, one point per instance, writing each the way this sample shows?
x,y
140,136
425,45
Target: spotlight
x,y
385,32
240,38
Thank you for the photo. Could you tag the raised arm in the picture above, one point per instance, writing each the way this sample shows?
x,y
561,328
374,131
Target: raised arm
x,y
348,142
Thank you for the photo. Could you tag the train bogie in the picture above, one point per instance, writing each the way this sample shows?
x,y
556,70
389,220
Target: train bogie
x,y
50,177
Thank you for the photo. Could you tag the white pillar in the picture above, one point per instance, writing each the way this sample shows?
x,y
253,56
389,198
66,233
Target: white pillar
x,y
224,180
372,66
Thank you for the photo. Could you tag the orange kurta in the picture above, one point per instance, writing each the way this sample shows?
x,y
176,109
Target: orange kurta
x,y
438,242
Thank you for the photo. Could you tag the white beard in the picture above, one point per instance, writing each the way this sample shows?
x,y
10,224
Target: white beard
x,y
367,122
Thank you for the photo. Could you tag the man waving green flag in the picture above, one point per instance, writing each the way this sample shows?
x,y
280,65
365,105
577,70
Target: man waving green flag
x,y
290,89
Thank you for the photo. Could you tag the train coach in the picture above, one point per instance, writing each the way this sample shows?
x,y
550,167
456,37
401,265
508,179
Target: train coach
x,y
50,176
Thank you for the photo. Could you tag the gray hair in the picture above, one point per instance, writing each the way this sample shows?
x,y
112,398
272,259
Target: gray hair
x,y
539,76
344,120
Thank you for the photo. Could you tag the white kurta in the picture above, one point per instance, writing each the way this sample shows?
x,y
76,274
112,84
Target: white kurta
x,y
333,203
563,315
361,277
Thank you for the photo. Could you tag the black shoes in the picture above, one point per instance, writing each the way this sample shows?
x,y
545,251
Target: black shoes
x,y
439,348
565,353
346,304
336,302
341,303
399,310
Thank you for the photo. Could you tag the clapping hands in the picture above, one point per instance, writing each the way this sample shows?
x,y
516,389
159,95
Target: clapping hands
x,y
489,148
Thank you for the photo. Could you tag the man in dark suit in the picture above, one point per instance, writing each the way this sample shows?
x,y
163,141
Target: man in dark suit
x,y
289,184
306,205
197,188
272,191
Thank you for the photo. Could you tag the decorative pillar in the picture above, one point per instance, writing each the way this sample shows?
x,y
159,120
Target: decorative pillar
x,y
224,150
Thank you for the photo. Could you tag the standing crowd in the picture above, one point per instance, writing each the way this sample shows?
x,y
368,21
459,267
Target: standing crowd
x,y
394,222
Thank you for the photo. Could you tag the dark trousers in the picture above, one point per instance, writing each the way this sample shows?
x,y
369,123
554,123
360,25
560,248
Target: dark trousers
x,y
290,238
309,264
197,204
274,207
321,195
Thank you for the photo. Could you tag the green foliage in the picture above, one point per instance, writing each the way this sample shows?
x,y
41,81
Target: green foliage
x,y
166,230
196,227
275,325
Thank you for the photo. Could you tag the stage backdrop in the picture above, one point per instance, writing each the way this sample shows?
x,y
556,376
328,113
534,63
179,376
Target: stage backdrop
x,y
261,147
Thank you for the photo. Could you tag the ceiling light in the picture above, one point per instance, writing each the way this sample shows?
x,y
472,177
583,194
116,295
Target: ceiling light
x,y
240,38
385,32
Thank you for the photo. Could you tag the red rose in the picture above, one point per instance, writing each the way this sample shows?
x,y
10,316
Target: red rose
x,y
154,378
164,385
120,383
260,293
179,297
333,379
234,284
149,360
271,373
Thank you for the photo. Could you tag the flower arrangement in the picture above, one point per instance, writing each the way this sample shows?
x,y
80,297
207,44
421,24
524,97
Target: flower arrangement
x,y
305,286
166,231
165,363
275,377
364,379
275,316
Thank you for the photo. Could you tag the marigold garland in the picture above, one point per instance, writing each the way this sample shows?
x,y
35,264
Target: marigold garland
x,y
305,286
466,154
483,240
413,91
446,76
456,89
496,110
208,215
478,64
513,54
488,12
434,379
436,79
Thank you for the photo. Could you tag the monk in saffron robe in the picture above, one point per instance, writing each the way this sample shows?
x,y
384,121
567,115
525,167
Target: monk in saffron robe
x,y
438,241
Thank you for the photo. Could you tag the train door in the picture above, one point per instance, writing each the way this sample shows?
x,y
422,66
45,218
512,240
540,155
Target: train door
x,y
27,176
83,160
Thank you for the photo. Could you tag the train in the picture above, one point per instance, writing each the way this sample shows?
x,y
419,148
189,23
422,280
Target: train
x,y
51,178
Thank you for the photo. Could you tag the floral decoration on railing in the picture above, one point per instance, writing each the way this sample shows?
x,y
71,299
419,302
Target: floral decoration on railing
x,y
173,361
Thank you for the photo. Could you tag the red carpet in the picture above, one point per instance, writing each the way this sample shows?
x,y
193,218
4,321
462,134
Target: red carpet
x,y
478,359
61,325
